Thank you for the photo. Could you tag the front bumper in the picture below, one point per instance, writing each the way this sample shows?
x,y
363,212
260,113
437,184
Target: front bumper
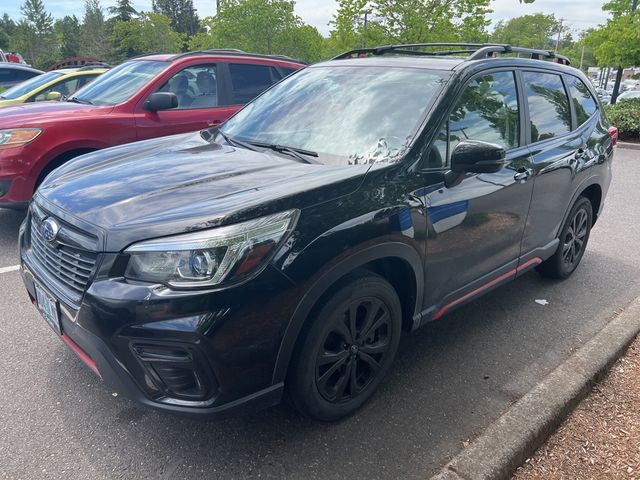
x,y
231,344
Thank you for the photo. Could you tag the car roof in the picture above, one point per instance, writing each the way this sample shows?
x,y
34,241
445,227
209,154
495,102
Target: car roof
x,y
18,66
431,63
218,53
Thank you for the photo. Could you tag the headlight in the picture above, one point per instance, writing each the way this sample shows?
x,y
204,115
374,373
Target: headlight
x,y
16,137
210,257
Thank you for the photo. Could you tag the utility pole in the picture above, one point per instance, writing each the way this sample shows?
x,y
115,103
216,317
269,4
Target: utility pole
x,y
363,42
616,86
582,57
559,33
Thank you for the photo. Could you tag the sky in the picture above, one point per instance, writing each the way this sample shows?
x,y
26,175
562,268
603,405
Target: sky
x,y
578,14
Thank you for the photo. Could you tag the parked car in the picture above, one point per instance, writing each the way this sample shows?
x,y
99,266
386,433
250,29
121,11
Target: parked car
x,y
142,98
53,85
284,253
13,73
11,57
629,94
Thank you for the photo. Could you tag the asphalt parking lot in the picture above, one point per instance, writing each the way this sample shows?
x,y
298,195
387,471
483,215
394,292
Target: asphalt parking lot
x,y
452,378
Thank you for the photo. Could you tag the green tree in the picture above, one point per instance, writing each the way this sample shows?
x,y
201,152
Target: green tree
x,y
260,26
123,11
408,21
33,35
531,31
94,33
7,27
181,13
150,32
617,43
68,33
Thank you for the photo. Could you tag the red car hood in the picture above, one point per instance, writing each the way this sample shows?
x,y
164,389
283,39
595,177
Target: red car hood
x,y
37,113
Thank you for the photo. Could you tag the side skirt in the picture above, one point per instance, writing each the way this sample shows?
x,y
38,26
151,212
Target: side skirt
x,y
485,284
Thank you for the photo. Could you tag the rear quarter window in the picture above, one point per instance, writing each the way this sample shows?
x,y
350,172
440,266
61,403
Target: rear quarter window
x,y
248,81
583,102
549,110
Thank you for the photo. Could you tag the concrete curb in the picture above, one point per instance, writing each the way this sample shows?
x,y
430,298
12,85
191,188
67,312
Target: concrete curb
x,y
516,435
629,145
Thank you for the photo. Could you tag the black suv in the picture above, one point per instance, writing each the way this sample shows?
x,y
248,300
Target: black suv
x,y
285,252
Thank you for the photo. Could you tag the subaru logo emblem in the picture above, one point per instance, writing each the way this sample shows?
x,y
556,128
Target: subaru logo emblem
x,y
49,229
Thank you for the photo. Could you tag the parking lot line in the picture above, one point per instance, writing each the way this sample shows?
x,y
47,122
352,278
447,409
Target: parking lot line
x,y
12,268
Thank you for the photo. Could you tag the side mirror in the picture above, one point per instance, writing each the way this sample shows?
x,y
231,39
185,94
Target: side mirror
x,y
53,96
161,101
474,156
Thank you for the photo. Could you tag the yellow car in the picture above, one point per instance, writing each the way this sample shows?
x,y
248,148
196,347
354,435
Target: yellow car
x,y
52,85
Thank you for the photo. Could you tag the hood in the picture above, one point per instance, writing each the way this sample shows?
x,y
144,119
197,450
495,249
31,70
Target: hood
x,y
181,183
27,114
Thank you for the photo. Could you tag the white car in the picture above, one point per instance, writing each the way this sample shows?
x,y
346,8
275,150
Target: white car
x,y
629,94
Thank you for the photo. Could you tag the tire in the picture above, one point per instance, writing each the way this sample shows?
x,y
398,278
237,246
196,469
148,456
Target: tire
x,y
333,374
572,244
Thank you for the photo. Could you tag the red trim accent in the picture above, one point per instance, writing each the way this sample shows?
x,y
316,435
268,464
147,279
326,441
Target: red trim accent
x,y
530,263
495,281
83,356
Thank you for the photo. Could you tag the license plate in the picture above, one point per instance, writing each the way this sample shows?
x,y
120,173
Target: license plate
x,y
48,307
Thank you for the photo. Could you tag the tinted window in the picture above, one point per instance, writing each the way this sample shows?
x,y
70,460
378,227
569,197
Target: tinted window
x,y
583,102
195,87
548,105
487,111
30,85
286,71
249,81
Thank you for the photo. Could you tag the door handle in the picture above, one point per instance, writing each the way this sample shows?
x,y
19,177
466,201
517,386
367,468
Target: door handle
x,y
215,123
522,174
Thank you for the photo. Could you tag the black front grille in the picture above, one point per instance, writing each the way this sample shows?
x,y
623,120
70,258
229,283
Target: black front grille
x,y
71,266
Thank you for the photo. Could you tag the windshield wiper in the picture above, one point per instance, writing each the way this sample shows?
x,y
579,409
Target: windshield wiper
x,y
77,100
234,142
292,151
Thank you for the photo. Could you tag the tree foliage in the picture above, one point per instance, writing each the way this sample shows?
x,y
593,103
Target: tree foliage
x,y
617,43
94,32
123,11
68,31
408,21
531,31
150,32
261,26
181,13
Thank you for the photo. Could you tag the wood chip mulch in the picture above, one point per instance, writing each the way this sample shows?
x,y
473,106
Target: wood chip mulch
x,y
601,438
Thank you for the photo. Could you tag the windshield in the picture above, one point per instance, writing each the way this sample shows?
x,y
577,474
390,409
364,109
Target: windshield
x,y
348,115
29,85
120,83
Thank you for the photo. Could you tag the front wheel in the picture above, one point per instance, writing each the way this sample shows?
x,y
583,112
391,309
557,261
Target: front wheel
x,y
573,241
347,349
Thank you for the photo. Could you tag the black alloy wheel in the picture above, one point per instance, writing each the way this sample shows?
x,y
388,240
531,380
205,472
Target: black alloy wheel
x,y
573,241
346,348
353,349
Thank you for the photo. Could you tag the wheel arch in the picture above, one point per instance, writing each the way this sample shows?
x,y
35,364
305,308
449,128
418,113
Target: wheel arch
x,y
590,188
58,161
395,261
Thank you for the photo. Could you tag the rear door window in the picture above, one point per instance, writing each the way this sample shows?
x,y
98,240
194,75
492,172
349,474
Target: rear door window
x,y
248,81
583,102
549,109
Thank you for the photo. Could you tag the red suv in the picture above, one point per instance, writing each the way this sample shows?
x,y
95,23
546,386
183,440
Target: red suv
x,y
142,98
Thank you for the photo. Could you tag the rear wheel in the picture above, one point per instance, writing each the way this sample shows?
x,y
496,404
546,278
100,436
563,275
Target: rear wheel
x,y
347,349
573,241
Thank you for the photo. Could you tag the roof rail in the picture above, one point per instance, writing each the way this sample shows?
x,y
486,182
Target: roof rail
x,y
476,51
237,53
